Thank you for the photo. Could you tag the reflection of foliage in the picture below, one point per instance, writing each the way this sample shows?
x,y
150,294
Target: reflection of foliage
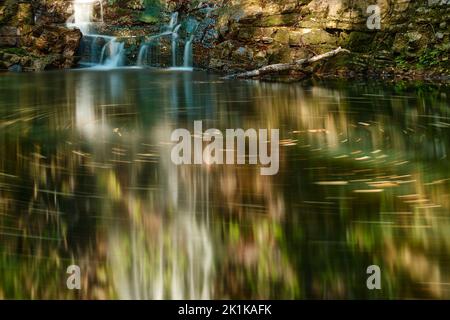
x,y
255,265
107,203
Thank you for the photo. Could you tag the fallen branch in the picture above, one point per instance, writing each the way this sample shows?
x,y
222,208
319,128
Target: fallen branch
x,y
296,65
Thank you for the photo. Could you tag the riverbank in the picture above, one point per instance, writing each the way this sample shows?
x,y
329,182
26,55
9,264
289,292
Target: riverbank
x,y
409,41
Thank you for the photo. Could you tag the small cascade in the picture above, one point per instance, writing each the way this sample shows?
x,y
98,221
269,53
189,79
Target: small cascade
x,y
92,48
84,15
187,56
143,55
153,51
172,23
113,54
101,51
174,45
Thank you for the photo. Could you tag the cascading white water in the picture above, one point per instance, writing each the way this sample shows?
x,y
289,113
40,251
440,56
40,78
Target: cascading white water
x,y
171,29
174,45
187,56
173,21
112,54
84,18
143,55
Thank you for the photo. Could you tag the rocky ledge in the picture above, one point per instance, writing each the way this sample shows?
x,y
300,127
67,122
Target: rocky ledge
x,y
31,45
412,39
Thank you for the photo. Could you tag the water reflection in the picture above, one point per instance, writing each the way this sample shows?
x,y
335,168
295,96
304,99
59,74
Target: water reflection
x,y
86,178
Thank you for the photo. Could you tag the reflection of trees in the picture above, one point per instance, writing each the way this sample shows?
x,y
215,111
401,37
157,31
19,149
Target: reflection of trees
x,y
346,144
97,188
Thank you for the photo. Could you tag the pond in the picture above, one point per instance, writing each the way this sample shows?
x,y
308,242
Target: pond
x,y
86,179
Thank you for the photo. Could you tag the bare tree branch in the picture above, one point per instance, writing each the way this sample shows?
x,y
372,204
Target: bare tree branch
x,y
296,65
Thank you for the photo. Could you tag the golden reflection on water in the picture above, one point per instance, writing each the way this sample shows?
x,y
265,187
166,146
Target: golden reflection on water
x,y
86,178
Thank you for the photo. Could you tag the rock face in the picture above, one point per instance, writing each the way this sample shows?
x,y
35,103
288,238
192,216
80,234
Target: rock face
x,y
9,36
254,33
28,43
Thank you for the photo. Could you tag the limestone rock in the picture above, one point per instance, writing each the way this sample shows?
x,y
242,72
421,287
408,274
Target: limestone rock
x,y
285,30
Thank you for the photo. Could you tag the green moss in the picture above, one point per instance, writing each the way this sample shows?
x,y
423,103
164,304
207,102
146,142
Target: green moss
x,y
430,58
147,18
16,51
358,41
152,13
279,54
401,62
278,20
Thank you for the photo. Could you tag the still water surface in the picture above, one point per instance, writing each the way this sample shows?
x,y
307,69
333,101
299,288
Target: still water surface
x,y
86,179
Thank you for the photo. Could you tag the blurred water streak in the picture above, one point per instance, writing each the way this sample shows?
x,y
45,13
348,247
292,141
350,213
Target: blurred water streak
x,y
86,179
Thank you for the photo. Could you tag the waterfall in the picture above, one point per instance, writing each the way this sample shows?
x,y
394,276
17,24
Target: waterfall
x,y
143,55
170,31
173,21
103,51
84,15
85,18
174,45
187,56
112,54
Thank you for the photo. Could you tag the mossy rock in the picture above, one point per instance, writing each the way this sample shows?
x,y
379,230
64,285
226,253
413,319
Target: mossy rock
x,y
319,36
15,51
247,34
147,18
278,20
344,64
282,36
279,53
358,41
